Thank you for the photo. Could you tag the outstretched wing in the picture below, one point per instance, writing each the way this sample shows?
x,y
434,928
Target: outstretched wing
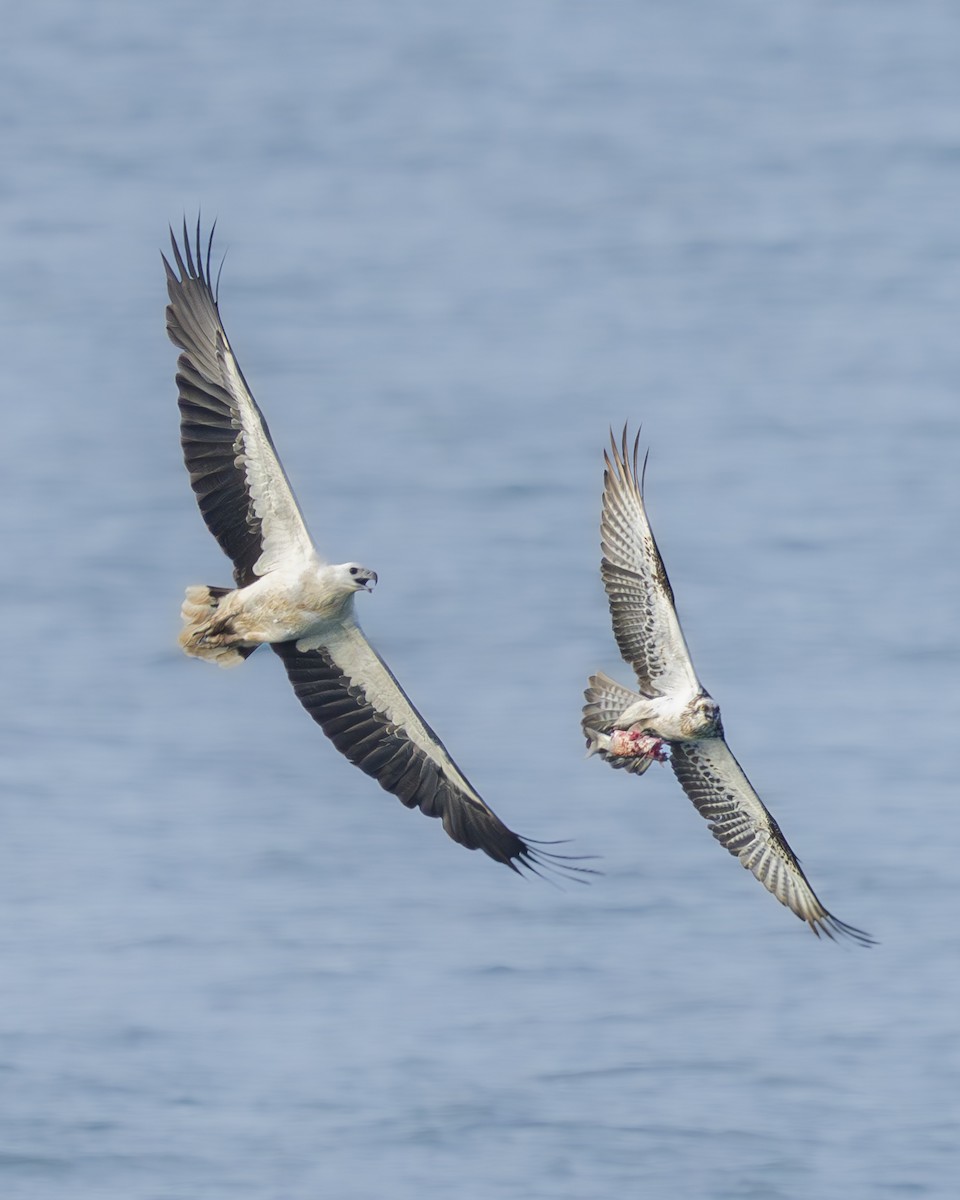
x,y
645,620
243,493
353,696
715,782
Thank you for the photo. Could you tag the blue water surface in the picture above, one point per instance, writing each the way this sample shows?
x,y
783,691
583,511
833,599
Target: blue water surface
x,y
462,241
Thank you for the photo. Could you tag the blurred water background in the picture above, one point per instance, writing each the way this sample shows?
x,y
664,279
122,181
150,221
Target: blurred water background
x,y
462,240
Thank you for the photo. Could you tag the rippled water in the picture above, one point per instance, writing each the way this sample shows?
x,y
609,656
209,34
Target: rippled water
x,y
462,241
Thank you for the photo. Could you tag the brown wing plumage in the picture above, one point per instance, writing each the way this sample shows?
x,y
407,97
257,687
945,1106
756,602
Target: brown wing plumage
x,y
649,636
721,792
645,621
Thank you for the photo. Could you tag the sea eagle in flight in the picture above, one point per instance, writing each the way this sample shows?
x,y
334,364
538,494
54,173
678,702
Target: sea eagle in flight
x,y
290,598
672,716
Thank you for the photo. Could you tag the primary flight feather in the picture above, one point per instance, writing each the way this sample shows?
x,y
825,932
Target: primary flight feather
x,y
672,715
287,596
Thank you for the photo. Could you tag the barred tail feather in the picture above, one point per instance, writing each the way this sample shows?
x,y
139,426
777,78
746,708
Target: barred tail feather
x,y
605,701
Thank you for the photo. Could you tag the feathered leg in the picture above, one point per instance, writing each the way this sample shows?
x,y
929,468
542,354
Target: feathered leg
x,y
205,634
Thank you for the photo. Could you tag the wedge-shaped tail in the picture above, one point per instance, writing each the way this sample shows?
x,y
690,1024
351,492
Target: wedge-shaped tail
x,y
200,637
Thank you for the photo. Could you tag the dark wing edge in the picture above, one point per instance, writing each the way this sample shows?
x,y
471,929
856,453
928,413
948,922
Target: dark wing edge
x,y
720,791
381,749
211,434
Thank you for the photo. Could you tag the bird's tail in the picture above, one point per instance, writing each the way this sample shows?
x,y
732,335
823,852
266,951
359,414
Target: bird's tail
x,y
605,701
200,636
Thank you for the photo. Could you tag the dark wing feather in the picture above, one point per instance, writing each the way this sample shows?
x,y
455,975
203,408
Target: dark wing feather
x,y
721,792
645,621
353,696
239,482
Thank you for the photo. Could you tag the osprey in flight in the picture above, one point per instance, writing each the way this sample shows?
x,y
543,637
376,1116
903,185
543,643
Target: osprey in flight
x,y
672,709
290,598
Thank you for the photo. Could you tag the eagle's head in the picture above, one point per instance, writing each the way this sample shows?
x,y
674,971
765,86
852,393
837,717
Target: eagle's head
x,y
357,578
701,718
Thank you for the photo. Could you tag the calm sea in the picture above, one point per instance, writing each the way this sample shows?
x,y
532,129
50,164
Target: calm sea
x,y
462,241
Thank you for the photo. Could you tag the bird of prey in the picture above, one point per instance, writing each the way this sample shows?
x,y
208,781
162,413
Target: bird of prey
x,y
672,716
290,598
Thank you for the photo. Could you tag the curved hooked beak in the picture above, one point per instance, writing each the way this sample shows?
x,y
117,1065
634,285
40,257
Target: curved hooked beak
x,y
370,582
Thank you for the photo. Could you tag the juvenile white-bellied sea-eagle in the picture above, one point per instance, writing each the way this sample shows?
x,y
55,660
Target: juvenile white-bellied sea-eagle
x,y
672,709
290,598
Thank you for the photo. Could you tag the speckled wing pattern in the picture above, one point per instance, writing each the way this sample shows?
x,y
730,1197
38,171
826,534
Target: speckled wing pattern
x,y
721,792
240,485
349,690
649,636
645,621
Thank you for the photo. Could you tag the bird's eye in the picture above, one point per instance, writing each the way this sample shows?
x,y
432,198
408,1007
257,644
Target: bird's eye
x,y
353,570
